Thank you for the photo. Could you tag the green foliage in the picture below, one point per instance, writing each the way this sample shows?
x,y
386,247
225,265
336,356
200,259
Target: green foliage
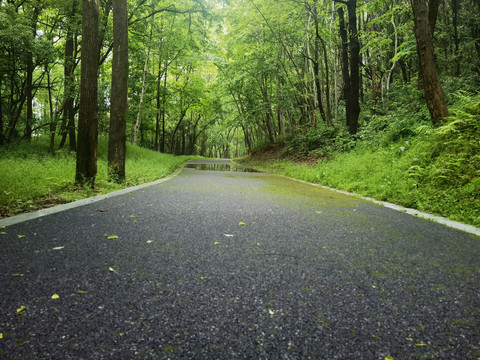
x,y
36,179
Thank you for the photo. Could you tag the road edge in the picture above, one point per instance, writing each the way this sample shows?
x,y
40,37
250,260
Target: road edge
x,y
71,205
470,229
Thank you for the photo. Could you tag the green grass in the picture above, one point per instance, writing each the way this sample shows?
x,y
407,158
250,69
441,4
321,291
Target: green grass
x,y
436,170
31,178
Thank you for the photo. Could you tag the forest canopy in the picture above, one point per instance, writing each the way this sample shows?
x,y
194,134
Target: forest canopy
x,y
219,78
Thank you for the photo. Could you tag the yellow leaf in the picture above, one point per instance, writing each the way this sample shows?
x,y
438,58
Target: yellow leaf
x,y
55,296
17,275
82,292
58,248
239,210
389,357
228,235
217,243
132,216
3,233
113,237
271,312
409,339
420,344
374,287
149,241
201,278
1,335
20,236
111,269
258,244
241,223
21,308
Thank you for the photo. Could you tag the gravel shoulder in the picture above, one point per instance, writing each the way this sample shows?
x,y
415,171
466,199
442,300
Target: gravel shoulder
x,y
225,265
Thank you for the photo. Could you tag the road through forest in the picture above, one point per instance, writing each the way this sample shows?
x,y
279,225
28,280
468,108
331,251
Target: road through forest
x,y
226,265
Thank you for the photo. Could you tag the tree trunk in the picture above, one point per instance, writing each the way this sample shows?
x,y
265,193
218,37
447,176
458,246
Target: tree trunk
x,y
29,85
117,138
316,66
142,94
68,126
431,80
354,67
86,167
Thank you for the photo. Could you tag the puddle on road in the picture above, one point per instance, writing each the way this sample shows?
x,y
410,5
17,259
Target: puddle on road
x,y
220,167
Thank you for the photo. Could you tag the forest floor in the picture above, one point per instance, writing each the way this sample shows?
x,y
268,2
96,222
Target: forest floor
x,y
227,264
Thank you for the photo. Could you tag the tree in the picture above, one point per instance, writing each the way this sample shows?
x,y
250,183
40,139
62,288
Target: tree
x,y
351,74
428,69
118,113
86,168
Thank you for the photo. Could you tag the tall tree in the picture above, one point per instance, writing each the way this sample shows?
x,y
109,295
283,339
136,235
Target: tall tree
x,y
86,168
351,71
118,113
431,81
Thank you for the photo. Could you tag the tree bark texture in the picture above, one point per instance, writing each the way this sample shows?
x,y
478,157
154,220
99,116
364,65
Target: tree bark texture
x,y
431,80
86,168
117,134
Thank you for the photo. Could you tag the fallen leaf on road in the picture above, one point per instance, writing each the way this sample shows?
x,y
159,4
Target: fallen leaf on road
x,y
241,223
3,233
1,335
55,296
82,292
113,237
58,248
271,312
149,241
216,243
20,236
374,287
17,275
111,269
228,235
21,308
420,344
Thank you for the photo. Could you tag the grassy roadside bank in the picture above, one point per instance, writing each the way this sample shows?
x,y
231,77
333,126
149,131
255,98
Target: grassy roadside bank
x,y
32,179
408,162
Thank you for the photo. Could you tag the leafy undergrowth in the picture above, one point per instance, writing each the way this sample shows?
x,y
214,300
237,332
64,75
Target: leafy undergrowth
x,y
33,179
401,159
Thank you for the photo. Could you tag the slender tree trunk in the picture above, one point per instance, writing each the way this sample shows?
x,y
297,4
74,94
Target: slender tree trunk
x,y
29,84
68,125
431,80
86,168
316,66
140,105
456,53
53,120
354,66
164,103
117,146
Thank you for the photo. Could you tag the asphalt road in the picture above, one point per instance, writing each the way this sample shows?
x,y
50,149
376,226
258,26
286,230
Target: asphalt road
x,y
226,265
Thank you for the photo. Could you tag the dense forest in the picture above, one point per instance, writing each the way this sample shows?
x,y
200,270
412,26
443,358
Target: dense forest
x,y
220,78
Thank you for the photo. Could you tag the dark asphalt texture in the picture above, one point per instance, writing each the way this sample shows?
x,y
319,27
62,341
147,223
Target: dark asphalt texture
x,y
237,265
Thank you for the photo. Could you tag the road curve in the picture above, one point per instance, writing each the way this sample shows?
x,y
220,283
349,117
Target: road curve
x,y
232,264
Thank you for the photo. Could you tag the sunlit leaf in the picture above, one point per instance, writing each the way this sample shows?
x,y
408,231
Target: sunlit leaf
x,y
58,248
111,269
82,292
228,235
374,287
113,237
216,243
149,241
17,275
21,308
271,312
409,339
201,278
55,296
1,336
389,357
241,223
20,236
3,233
420,344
